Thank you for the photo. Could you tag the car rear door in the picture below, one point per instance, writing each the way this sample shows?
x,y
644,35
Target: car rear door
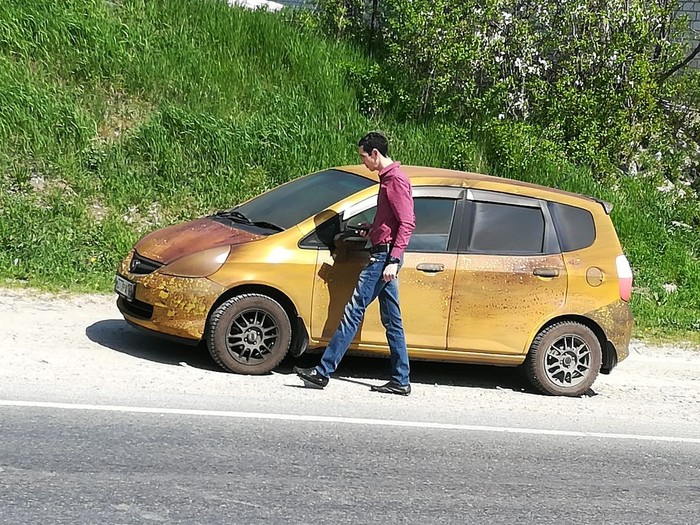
x,y
510,274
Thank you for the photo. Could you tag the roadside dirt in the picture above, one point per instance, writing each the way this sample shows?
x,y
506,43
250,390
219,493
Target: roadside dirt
x,y
71,347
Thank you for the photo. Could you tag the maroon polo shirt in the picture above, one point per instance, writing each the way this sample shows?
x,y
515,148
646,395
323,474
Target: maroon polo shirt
x,y
394,221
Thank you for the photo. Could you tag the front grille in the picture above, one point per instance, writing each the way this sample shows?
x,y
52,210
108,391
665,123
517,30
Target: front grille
x,y
142,266
136,308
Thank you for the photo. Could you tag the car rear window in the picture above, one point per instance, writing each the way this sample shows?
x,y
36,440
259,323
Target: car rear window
x,y
575,226
291,203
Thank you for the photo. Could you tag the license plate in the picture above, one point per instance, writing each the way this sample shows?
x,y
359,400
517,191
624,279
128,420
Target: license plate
x,y
124,288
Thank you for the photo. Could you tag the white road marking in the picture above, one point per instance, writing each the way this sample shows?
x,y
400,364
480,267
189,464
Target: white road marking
x,y
344,420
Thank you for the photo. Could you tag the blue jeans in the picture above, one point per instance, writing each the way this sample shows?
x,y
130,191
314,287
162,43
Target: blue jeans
x,y
371,285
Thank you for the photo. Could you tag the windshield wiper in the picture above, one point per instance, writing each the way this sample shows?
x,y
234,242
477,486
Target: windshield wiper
x,y
237,216
268,225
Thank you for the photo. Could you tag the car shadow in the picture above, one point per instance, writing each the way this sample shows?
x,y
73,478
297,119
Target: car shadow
x,y
119,336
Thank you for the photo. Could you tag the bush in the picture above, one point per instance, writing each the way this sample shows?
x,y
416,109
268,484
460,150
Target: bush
x,y
587,73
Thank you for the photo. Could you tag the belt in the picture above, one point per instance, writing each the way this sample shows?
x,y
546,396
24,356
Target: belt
x,y
380,248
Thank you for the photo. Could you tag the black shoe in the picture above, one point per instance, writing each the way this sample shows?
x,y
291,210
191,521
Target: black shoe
x,y
311,377
392,387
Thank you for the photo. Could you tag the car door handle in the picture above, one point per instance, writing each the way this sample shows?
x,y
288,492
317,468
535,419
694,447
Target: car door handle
x,y
430,267
546,272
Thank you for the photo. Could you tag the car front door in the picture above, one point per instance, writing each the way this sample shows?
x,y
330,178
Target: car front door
x,y
425,279
510,274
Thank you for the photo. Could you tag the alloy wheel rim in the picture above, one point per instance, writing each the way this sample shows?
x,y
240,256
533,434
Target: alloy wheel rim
x,y
252,336
568,361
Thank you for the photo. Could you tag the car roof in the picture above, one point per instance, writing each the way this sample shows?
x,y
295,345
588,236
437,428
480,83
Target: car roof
x,y
442,176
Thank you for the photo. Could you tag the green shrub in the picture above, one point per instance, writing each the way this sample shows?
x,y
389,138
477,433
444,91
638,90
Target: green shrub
x,y
587,73
164,110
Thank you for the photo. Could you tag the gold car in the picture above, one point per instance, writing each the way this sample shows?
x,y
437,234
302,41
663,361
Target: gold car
x,y
497,272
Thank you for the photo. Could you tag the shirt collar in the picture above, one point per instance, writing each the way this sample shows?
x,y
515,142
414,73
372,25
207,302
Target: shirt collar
x,y
389,168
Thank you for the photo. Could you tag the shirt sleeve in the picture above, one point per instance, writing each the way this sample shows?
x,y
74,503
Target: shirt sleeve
x,y
400,199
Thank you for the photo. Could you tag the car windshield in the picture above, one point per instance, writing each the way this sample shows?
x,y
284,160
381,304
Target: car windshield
x,y
291,203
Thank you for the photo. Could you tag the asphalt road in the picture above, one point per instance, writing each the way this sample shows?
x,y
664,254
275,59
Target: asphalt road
x,y
82,466
100,424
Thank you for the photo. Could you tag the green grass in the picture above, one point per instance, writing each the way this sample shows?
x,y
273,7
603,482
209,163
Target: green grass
x,y
120,117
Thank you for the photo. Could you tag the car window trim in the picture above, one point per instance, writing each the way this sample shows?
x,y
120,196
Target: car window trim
x,y
502,198
358,207
444,192
551,239
457,224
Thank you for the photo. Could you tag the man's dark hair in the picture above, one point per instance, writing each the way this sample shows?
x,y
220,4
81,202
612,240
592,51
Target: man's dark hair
x,y
374,140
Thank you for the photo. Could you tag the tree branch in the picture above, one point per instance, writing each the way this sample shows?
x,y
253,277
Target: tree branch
x,y
372,28
664,76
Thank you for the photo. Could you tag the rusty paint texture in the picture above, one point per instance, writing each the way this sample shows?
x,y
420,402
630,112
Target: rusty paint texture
x,y
180,305
617,322
174,242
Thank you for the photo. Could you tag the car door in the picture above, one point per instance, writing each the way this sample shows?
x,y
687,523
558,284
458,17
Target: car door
x,y
425,279
510,274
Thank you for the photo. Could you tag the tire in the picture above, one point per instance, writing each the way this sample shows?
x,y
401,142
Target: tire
x,y
249,334
564,359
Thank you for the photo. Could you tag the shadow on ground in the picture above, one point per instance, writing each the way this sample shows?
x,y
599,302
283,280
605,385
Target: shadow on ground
x,y
357,369
121,337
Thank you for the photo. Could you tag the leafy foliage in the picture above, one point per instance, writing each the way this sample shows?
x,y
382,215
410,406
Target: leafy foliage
x,y
585,71
120,117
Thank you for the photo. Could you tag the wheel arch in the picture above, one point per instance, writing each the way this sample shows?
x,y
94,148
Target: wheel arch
x,y
609,357
300,336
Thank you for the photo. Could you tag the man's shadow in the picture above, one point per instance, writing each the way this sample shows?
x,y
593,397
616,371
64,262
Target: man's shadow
x,y
340,280
118,335
368,371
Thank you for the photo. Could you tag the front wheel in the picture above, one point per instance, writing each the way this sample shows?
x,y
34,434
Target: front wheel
x,y
249,334
564,359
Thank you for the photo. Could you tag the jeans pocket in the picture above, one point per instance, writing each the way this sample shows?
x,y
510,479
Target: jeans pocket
x,y
377,258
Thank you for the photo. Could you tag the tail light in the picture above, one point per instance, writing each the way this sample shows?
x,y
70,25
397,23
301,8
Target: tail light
x,y
624,277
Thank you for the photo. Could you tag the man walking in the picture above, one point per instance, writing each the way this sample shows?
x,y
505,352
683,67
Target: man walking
x,y
389,234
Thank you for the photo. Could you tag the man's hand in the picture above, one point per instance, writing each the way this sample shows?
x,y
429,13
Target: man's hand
x,y
364,229
390,271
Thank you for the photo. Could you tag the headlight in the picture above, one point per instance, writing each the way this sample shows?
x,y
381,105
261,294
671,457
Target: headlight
x,y
200,264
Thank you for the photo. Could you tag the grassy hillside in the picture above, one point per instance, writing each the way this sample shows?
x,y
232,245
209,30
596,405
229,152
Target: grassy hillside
x,y
120,117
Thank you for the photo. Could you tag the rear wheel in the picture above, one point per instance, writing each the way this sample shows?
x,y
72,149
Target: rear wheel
x,y
249,334
564,359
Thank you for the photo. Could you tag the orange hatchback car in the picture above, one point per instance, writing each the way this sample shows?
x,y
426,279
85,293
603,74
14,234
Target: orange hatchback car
x,y
497,272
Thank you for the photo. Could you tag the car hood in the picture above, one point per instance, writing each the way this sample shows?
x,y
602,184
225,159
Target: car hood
x,y
171,243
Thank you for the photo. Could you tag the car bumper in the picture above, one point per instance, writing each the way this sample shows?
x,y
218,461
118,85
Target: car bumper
x,y
617,322
168,305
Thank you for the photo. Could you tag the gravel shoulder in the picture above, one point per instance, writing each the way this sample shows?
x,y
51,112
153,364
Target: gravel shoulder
x,y
77,349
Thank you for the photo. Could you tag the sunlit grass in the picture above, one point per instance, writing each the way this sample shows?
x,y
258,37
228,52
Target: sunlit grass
x,y
120,117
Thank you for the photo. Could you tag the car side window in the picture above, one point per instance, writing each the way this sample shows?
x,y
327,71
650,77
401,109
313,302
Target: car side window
x,y
505,228
366,216
323,235
434,217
